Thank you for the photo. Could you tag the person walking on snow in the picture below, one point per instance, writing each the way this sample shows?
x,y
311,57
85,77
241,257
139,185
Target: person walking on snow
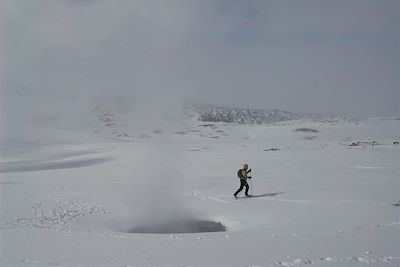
x,y
243,174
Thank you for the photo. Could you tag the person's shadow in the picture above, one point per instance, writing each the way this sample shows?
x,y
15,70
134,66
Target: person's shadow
x,y
266,195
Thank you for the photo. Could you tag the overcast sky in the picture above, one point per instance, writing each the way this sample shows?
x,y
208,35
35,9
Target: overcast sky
x,y
327,57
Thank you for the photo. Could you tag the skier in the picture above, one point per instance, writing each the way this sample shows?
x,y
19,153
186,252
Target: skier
x,y
243,174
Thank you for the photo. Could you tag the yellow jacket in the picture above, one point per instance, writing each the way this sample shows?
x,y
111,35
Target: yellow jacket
x,y
245,175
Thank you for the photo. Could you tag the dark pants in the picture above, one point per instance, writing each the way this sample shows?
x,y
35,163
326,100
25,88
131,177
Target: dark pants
x,y
243,183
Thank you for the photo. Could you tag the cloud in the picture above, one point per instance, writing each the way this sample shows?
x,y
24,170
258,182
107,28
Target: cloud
x,y
307,56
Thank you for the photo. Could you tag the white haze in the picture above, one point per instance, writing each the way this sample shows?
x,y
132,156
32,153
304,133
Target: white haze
x,y
160,201
65,61
60,57
65,58
74,59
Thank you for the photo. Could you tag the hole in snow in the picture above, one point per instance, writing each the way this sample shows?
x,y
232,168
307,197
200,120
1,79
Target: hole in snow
x,y
179,227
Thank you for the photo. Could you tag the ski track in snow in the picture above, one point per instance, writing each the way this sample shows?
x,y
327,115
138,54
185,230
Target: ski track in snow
x,y
373,167
289,200
203,196
269,197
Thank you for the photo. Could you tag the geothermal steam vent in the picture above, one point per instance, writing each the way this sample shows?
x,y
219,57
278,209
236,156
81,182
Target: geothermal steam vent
x,y
177,227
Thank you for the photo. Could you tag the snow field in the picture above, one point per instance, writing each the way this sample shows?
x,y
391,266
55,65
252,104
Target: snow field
x,y
322,201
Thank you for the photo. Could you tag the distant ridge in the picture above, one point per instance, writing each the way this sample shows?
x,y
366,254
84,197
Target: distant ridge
x,y
214,113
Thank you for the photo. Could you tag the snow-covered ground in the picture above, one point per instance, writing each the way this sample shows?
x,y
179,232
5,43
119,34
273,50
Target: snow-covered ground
x,y
322,200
